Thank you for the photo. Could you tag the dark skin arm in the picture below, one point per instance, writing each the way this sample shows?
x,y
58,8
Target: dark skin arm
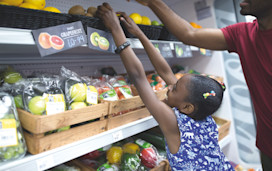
x,y
162,113
208,38
158,61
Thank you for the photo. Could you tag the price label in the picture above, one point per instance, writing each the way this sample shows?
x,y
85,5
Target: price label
x,y
55,39
92,95
55,103
164,49
182,50
45,163
117,136
8,133
205,52
100,40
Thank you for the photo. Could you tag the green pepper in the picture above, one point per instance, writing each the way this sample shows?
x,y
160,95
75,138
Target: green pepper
x,y
130,162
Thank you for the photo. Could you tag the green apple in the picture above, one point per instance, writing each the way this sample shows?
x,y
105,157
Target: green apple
x,y
19,101
78,105
36,105
155,23
63,128
78,92
12,77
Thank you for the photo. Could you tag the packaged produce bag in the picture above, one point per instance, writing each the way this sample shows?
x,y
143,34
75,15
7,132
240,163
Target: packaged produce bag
x,y
12,142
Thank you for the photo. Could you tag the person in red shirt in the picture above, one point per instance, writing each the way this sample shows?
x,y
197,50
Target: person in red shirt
x,y
252,42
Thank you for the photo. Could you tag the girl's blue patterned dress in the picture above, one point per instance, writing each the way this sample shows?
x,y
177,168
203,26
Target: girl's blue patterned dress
x,y
199,149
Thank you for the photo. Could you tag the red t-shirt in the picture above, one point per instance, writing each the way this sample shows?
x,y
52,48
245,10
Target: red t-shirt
x,y
254,48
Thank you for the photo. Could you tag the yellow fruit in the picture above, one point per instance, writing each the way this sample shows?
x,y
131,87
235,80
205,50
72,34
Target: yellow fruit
x,y
114,155
12,2
52,9
28,5
145,20
137,18
131,148
38,3
3,3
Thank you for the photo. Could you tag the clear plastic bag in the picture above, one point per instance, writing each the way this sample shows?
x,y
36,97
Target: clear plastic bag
x,y
12,142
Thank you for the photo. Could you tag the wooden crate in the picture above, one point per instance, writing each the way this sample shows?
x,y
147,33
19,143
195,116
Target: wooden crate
x,y
224,127
36,126
79,164
163,166
134,108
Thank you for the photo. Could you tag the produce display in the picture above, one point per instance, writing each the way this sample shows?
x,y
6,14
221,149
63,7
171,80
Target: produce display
x,y
12,142
30,4
131,154
79,10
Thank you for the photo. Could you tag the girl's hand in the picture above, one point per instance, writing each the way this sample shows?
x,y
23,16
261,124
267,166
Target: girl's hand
x,y
106,13
131,26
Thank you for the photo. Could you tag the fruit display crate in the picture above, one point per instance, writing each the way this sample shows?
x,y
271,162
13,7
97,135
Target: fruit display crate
x,y
152,32
131,109
16,17
163,166
36,127
166,35
223,127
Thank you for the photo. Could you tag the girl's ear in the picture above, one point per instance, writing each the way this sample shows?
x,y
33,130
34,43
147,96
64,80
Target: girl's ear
x,y
187,108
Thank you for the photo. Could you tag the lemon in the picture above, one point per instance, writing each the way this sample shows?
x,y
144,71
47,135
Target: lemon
x,y
38,3
28,5
3,3
12,2
137,18
52,9
146,20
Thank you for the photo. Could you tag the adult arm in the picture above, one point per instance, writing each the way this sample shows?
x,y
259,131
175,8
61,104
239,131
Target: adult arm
x,y
209,38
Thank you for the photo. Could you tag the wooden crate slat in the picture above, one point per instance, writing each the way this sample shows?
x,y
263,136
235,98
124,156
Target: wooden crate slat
x,y
41,124
37,145
126,118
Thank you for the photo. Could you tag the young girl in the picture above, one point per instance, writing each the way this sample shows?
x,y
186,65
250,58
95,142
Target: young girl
x,y
184,117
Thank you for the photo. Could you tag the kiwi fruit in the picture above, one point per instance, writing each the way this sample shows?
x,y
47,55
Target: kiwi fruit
x,y
94,38
92,10
103,43
76,10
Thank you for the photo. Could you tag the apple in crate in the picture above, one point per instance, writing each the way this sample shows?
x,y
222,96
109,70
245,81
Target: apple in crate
x,y
78,92
37,105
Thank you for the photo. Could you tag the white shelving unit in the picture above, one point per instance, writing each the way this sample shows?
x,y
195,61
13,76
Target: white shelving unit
x,y
68,152
18,48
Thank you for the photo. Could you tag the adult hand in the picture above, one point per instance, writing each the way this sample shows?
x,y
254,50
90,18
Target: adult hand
x,y
129,24
106,13
143,2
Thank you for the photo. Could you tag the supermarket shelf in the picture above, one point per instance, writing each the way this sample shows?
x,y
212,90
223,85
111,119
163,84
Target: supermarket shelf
x,y
24,37
68,152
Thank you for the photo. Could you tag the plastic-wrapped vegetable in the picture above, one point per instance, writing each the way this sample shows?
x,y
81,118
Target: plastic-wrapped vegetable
x,y
108,167
130,162
12,142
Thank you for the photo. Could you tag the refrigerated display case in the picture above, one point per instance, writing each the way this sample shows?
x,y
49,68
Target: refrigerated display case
x,y
18,49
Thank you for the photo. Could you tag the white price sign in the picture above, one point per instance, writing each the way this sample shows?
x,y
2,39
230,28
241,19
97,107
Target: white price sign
x,y
117,136
45,163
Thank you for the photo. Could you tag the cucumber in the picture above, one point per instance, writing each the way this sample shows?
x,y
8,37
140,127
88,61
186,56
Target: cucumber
x,y
155,139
